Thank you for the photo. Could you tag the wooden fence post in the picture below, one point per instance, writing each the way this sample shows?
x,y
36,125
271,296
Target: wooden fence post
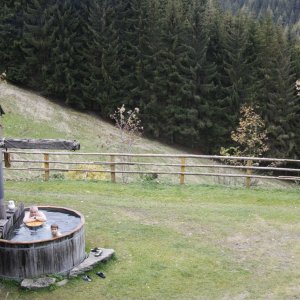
x,y
7,161
248,172
46,167
112,169
182,169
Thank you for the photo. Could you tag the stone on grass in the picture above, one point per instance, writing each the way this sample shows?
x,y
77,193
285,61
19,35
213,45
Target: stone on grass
x,y
62,282
37,283
91,261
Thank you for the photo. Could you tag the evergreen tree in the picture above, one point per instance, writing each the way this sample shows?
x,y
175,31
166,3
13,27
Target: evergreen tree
x,y
295,56
11,32
236,78
276,94
128,17
149,103
251,56
215,25
186,112
204,72
38,23
173,79
146,49
101,86
236,64
67,62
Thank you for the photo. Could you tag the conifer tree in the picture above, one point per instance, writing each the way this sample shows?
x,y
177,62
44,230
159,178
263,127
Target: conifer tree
x,y
235,78
146,49
38,24
277,100
215,24
251,56
128,17
173,78
149,101
204,70
101,86
11,28
67,62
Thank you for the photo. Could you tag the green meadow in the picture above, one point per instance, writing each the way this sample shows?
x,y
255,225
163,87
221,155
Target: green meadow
x,y
176,242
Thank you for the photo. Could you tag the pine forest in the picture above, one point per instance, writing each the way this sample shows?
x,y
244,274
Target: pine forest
x,y
188,65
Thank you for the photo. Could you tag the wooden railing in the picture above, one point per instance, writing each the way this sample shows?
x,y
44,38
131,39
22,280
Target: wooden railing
x,y
181,165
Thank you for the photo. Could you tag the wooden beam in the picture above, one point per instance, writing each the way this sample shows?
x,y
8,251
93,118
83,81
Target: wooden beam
x,y
1,111
112,169
248,172
182,169
46,167
2,206
40,144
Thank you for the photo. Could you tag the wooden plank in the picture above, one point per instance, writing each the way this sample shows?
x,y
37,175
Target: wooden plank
x,y
40,144
112,169
46,167
7,160
2,224
248,172
6,227
294,178
152,164
113,164
14,222
182,170
164,155
1,110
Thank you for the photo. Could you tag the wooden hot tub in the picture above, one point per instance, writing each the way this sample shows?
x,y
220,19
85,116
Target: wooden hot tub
x,y
20,260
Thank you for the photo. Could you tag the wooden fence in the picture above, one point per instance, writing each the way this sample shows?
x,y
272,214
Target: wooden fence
x,y
181,165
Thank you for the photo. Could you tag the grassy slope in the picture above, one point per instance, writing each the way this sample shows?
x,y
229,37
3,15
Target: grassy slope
x,y
178,242
29,115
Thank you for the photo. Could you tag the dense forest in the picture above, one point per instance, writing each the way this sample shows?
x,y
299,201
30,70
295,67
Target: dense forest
x,y
283,12
186,64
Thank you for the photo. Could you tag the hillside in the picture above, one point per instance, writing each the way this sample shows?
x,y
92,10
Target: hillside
x,y
28,115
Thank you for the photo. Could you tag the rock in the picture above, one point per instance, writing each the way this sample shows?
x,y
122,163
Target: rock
x,y
37,283
91,261
62,282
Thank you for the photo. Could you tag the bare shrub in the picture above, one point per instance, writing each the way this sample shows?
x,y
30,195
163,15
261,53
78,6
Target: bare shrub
x,y
130,130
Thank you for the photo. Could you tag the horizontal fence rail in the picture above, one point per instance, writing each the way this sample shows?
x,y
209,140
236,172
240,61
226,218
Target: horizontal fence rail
x,y
181,165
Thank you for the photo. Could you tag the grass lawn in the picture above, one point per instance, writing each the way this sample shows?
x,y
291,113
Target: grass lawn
x,y
176,242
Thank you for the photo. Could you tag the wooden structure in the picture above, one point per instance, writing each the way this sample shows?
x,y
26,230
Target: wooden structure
x,y
39,144
30,259
180,165
29,144
2,207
